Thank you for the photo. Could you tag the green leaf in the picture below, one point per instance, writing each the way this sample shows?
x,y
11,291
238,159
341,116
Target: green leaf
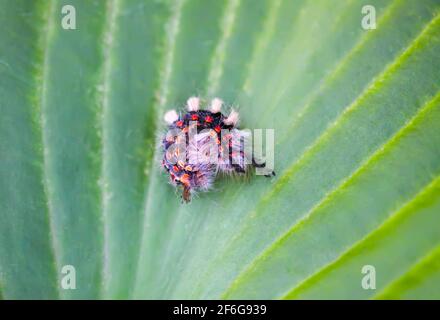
x,y
356,115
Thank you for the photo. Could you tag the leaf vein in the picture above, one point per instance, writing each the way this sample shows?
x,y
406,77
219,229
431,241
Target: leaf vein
x,y
218,58
42,93
108,44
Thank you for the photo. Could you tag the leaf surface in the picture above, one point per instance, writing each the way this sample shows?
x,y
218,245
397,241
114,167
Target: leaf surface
x,y
357,155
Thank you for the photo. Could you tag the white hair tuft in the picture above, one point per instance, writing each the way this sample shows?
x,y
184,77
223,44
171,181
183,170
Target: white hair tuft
x,y
216,105
232,119
171,116
193,104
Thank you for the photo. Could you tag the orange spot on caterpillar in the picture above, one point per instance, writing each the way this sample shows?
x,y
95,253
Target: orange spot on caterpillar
x,y
185,179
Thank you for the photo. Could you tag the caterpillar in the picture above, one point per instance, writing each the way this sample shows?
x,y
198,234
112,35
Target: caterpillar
x,y
201,143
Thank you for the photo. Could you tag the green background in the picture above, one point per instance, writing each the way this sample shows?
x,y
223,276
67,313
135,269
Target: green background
x,y
356,115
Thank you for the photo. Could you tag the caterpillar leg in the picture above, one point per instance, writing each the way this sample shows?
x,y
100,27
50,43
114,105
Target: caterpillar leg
x,y
262,165
186,194
239,169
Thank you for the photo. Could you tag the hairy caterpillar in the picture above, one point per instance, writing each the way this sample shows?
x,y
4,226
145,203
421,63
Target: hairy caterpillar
x,y
201,143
